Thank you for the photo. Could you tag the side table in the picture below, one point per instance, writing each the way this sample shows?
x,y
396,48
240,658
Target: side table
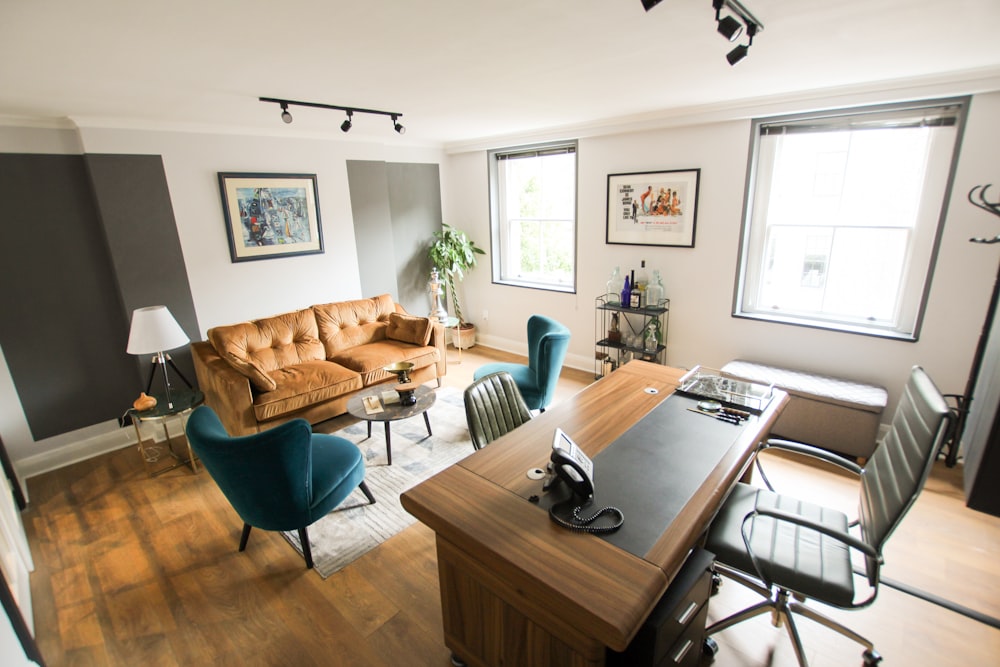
x,y
184,402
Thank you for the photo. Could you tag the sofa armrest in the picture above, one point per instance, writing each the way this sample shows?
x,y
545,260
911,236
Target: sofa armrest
x,y
227,391
439,341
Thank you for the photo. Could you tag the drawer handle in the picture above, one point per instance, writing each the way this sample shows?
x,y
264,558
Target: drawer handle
x,y
682,651
688,613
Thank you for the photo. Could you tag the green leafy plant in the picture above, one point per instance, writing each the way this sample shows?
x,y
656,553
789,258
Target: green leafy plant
x,y
453,254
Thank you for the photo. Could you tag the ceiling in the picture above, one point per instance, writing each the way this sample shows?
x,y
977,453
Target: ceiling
x,y
462,71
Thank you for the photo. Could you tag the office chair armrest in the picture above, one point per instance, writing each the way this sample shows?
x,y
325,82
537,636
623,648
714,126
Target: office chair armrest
x,y
803,450
779,515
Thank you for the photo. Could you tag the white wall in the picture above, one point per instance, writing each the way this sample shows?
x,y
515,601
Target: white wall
x,y
699,281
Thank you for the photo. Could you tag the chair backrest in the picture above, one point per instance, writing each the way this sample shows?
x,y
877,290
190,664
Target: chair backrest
x,y
548,341
494,407
894,475
266,476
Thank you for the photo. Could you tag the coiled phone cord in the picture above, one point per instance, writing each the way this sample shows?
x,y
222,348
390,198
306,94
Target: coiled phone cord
x,y
586,524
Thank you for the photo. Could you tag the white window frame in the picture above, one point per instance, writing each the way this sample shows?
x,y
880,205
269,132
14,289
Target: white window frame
x,y
922,240
500,233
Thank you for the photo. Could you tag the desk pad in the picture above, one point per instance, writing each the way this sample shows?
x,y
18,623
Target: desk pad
x,y
653,470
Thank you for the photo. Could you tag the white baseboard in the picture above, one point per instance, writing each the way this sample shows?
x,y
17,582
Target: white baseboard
x,y
92,442
579,362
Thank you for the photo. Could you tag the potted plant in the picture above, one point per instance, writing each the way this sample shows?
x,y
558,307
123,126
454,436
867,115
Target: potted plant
x,y
452,254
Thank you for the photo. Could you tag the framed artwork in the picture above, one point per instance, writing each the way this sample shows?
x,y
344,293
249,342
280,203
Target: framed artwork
x,y
271,215
657,208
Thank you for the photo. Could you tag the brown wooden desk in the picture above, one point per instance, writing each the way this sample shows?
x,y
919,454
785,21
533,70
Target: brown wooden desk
x,y
516,589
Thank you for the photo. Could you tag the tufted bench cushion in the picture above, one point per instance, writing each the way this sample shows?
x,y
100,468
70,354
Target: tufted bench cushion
x,y
830,412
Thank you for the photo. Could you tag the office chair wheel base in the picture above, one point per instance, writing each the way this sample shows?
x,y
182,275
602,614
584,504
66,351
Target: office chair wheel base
x,y
710,647
716,583
458,662
872,658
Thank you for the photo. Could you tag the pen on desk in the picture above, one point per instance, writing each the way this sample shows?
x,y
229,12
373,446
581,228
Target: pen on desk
x,y
721,416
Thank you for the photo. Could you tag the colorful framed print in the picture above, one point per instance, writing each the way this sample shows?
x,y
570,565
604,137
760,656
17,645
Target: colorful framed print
x,y
658,208
271,215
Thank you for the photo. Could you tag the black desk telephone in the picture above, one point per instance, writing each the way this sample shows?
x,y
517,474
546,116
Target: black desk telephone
x,y
568,464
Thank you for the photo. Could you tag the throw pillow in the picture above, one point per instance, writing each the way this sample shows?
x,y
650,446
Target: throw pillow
x,y
258,378
409,329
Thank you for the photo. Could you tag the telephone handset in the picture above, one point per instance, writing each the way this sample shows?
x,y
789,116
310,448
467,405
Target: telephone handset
x,y
570,465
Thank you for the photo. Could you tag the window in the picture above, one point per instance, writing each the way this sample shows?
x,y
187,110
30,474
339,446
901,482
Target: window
x,y
843,216
533,216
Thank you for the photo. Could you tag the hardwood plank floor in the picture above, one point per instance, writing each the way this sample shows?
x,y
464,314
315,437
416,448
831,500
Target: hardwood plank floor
x,y
139,571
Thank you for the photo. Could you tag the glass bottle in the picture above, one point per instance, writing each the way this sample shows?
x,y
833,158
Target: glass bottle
x,y
651,338
654,290
626,293
613,294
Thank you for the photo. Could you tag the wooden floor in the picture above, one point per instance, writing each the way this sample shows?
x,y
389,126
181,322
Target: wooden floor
x,y
139,571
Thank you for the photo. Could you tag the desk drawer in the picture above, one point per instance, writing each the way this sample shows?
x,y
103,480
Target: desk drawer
x,y
678,616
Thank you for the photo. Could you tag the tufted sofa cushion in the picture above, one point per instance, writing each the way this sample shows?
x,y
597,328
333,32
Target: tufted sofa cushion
x,y
346,324
258,348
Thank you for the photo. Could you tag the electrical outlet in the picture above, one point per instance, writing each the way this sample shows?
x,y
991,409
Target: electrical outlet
x,y
486,315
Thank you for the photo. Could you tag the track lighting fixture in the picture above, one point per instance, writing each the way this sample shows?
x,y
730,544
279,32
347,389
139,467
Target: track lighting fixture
x,y
347,124
649,4
731,28
740,52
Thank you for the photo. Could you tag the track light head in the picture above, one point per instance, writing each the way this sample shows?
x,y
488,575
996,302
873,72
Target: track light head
x,y
396,125
346,125
285,116
649,4
730,28
740,52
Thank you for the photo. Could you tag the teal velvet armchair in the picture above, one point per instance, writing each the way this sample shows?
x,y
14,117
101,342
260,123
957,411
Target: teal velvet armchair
x,y
285,478
548,341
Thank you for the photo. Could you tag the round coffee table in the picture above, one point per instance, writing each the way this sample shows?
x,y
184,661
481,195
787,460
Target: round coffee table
x,y
391,411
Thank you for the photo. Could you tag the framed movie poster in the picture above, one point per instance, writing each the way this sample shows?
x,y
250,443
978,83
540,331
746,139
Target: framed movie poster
x,y
271,215
658,208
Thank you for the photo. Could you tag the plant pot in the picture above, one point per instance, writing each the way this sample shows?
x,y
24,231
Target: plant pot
x,y
464,336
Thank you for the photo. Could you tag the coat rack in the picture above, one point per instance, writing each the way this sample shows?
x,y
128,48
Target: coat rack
x,y
977,196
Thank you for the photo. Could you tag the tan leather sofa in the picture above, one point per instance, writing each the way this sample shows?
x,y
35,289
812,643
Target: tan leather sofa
x,y
308,363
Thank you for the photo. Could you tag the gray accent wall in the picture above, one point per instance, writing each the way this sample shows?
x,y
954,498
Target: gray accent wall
x,y
138,219
396,209
86,240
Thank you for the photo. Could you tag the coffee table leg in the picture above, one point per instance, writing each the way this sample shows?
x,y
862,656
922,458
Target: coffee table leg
x,y
388,443
427,420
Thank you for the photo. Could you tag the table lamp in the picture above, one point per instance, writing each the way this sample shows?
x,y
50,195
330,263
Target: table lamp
x,y
153,331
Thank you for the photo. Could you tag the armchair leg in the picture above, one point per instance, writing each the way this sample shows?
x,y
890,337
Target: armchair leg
x,y
306,549
368,493
245,536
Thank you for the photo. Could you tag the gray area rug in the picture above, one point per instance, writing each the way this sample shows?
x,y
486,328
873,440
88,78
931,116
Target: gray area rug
x,y
354,527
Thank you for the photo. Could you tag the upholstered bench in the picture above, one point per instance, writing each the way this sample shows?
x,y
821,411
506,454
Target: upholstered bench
x,y
829,412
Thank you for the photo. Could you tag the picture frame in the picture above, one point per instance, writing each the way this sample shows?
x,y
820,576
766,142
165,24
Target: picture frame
x,y
655,208
271,215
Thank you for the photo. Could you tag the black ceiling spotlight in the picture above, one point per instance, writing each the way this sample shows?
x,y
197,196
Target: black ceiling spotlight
x,y
729,27
649,4
740,52
347,124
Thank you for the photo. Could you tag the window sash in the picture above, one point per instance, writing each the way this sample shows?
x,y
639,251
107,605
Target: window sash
x,y
507,227
916,224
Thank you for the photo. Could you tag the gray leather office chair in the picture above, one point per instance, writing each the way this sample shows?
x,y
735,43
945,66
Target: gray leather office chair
x,y
783,547
494,407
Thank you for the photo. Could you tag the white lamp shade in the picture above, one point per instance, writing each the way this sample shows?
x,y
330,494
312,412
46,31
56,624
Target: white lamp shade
x,y
153,330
